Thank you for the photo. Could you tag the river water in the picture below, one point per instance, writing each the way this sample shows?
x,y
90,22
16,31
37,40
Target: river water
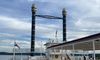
x,y
10,57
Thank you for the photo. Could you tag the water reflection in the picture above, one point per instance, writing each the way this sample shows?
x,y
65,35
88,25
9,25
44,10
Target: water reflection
x,y
10,57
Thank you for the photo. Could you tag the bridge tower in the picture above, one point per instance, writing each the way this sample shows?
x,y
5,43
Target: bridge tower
x,y
63,18
33,30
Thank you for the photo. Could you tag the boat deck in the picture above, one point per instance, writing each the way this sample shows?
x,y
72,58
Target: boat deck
x,y
38,58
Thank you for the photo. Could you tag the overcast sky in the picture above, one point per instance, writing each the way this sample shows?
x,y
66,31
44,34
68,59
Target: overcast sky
x,y
83,19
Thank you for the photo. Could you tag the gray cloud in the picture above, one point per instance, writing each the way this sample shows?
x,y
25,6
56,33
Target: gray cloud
x,y
81,15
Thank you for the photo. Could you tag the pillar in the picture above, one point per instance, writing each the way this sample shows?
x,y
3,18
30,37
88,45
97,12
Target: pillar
x,y
64,24
33,30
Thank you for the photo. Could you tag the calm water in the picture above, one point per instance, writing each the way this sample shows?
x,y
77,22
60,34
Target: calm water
x,y
10,57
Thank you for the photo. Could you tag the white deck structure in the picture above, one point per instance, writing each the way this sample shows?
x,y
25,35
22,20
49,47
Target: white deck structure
x,y
38,58
69,50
